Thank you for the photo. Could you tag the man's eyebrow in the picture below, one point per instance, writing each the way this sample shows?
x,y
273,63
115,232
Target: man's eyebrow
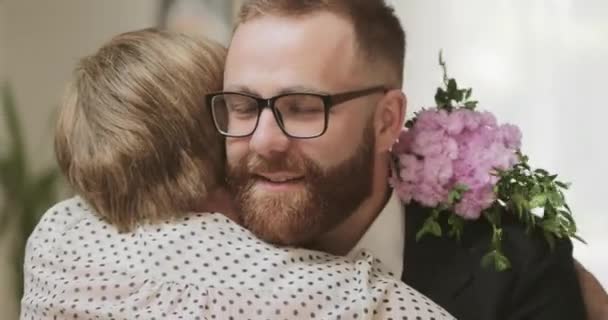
x,y
302,89
286,90
242,89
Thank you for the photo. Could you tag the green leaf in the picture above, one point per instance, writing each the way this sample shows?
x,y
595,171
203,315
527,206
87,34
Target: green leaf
x,y
13,167
536,189
471,105
519,202
44,187
435,229
13,125
6,217
25,195
457,226
441,98
455,195
488,259
581,240
452,86
461,187
497,259
530,221
501,262
556,199
550,239
421,233
459,95
468,94
443,67
430,227
538,201
567,225
496,237
492,214
551,225
571,224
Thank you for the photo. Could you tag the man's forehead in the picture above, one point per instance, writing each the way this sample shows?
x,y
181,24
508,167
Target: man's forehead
x,y
301,51
279,91
332,25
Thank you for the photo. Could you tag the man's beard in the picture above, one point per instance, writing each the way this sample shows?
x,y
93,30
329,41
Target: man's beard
x,y
326,198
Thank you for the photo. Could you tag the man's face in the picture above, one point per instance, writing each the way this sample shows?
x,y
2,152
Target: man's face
x,y
293,190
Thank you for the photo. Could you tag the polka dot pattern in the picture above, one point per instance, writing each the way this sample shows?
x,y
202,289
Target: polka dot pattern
x,y
200,267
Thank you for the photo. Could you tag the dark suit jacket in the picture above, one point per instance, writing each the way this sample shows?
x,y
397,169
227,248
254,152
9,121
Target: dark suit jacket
x,y
541,284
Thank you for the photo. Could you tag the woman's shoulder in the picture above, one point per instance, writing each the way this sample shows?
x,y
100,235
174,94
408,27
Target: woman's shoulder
x,y
52,238
62,217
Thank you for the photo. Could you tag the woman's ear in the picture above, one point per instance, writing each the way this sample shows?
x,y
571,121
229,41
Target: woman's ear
x,y
389,119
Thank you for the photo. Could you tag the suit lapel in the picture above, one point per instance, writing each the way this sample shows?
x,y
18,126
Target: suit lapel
x,y
439,267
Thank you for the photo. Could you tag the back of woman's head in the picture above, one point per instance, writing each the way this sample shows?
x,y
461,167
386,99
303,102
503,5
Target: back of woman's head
x,y
134,138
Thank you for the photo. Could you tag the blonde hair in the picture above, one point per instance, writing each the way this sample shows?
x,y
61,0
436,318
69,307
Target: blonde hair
x,y
380,36
134,138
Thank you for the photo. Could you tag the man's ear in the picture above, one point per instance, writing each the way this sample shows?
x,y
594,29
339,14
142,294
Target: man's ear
x,y
389,119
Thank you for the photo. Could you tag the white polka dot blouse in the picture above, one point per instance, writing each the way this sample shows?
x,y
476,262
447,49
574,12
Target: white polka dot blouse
x,y
203,266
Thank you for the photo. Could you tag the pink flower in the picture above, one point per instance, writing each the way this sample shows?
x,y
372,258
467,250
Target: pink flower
x,y
444,149
470,119
456,122
437,170
511,136
474,202
428,142
404,142
411,168
431,119
487,119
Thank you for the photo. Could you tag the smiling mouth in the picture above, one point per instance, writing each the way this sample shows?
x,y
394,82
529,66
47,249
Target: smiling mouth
x,y
279,179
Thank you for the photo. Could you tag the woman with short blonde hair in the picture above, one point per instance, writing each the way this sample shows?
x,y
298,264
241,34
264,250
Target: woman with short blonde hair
x,y
133,138
137,145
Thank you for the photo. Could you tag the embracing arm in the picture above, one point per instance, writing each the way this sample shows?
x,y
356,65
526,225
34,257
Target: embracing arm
x,y
69,273
547,286
596,299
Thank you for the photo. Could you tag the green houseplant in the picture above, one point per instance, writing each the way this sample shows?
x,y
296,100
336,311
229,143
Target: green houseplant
x,y
24,194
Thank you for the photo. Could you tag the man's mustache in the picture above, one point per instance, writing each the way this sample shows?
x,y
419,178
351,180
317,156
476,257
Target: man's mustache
x,y
256,165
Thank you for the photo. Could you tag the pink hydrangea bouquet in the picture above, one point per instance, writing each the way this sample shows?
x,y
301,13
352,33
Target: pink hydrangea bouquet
x,y
462,163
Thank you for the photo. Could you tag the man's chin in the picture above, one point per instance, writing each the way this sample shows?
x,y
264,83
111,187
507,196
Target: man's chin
x,y
284,233
275,220
264,189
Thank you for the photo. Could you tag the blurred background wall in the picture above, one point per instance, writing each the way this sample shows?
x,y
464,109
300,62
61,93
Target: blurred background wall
x,y
538,63
3,28
40,42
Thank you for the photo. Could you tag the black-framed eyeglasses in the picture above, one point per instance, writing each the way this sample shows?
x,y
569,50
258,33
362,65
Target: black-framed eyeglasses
x,y
299,115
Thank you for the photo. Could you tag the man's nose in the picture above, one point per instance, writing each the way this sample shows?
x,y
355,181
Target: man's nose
x,y
268,138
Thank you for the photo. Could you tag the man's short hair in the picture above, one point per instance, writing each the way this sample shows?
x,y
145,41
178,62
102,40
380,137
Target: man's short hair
x,y
134,138
378,32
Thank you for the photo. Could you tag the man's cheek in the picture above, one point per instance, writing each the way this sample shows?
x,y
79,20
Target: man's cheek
x,y
328,156
336,145
235,150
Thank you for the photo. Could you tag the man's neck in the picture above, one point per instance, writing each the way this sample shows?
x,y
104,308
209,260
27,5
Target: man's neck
x,y
219,200
341,239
